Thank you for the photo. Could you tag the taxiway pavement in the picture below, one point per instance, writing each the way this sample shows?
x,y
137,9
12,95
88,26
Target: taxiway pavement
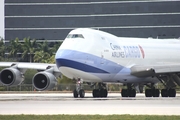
x,y
64,103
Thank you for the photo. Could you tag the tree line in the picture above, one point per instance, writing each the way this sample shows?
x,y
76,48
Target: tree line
x,y
28,50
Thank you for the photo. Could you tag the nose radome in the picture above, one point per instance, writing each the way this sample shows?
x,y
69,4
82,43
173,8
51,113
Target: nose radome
x,y
62,57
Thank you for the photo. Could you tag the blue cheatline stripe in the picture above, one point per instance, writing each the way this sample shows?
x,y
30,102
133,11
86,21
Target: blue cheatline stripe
x,y
79,66
86,62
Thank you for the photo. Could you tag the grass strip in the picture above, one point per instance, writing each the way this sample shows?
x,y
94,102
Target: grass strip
x,y
88,117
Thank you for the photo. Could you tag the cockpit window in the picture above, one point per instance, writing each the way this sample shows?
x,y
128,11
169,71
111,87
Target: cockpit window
x,y
75,36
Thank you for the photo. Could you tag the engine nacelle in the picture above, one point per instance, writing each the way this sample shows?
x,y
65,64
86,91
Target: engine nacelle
x,y
11,76
44,81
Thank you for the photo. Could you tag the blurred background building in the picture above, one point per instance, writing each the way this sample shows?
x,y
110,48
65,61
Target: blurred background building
x,y
52,19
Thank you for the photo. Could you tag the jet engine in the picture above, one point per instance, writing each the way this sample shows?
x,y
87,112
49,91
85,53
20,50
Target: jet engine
x,y
44,81
11,76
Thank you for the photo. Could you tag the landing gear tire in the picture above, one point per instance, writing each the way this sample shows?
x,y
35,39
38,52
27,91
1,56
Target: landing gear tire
x,y
81,93
75,93
128,93
155,93
132,93
103,92
99,93
148,93
124,93
95,93
152,93
164,93
168,93
172,93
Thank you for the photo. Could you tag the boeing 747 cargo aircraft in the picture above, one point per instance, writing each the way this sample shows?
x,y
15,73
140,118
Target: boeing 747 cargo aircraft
x,y
96,57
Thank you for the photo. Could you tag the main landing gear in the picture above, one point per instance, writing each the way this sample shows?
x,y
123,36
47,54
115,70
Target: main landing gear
x,y
169,82
153,92
79,91
168,93
101,91
129,92
164,93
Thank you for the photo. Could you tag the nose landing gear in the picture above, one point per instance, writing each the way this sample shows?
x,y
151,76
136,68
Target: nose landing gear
x,y
79,91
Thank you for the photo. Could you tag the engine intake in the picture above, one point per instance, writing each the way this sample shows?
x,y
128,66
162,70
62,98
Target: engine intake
x,y
11,76
44,81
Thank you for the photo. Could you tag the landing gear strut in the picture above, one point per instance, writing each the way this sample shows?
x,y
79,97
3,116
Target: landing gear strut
x,y
79,91
101,91
129,92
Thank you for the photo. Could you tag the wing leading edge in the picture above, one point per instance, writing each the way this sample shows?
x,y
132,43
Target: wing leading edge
x,y
26,65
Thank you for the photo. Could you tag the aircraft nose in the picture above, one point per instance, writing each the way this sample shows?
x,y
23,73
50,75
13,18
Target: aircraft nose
x,y
62,56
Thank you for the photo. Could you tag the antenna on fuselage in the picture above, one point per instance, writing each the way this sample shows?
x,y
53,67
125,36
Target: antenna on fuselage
x,y
95,28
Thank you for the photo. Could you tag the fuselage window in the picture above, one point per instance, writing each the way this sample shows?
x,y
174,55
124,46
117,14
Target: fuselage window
x,y
75,36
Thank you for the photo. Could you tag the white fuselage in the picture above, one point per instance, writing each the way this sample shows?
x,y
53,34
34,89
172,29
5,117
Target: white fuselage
x,y
97,56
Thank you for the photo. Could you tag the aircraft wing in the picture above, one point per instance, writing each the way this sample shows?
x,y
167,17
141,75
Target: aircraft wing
x,y
27,65
152,70
23,66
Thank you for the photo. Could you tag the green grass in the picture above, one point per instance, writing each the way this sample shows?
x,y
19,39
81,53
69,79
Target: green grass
x,y
88,117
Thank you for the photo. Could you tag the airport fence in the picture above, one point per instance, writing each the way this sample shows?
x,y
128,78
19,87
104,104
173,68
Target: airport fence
x,y
69,87
59,87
